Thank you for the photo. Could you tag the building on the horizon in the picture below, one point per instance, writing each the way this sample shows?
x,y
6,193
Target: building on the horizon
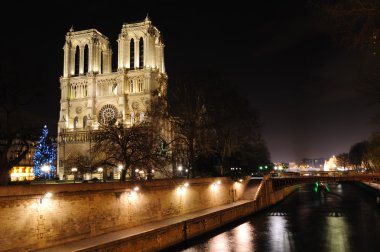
x,y
331,164
315,163
92,93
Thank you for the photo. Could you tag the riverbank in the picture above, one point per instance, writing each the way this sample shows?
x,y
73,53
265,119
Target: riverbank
x,y
165,233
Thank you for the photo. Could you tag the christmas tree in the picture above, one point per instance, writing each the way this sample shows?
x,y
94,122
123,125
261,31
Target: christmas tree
x,y
44,156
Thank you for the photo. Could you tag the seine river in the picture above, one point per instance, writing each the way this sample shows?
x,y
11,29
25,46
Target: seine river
x,y
344,219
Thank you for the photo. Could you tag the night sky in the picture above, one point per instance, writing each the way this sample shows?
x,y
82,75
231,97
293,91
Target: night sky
x,y
281,56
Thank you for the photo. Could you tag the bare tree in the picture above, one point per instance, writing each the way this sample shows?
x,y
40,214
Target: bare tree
x,y
343,160
189,120
12,99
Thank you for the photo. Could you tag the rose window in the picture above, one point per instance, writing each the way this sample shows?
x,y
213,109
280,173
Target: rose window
x,y
108,114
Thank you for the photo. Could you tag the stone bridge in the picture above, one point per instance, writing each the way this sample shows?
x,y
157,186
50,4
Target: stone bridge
x,y
279,183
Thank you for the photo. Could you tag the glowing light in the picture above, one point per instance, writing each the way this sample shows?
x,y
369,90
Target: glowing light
x,y
186,184
47,195
240,180
218,182
45,168
74,169
136,189
100,169
180,168
120,167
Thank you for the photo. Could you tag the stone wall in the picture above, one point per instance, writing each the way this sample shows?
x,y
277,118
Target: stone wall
x,y
76,211
166,236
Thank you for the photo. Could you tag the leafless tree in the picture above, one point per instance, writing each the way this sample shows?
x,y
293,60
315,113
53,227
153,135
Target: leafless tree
x,y
12,100
343,160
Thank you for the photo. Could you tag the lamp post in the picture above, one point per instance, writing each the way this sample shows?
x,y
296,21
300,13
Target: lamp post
x,y
74,171
100,170
46,169
180,170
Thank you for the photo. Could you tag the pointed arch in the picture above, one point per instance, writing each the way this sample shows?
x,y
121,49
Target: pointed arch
x,y
77,58
76,122
132,54
85,122
85,62
141,53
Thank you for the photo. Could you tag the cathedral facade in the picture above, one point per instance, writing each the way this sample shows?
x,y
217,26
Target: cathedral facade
x,y
92,93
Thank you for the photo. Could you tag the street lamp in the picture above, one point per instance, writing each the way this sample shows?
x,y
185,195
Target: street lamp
x,y
180,168
46,169
100,170
74,170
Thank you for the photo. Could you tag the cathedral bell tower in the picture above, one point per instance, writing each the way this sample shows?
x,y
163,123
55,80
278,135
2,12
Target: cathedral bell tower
x,y
91,94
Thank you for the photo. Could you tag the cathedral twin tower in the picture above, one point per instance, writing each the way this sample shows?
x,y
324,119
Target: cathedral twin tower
x,y
92,94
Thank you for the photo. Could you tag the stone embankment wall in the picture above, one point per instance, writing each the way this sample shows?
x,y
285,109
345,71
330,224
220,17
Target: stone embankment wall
x,y
76,211
172,234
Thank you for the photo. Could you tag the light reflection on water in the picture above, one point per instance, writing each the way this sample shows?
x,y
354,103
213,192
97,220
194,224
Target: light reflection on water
x,y
240,238
343,220
279,237
337,234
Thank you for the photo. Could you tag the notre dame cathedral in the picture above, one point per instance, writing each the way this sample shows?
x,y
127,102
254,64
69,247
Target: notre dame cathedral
x,y
92,93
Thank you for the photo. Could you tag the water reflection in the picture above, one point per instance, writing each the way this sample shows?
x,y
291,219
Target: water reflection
x,y
337,234
279,237
243,237
344,219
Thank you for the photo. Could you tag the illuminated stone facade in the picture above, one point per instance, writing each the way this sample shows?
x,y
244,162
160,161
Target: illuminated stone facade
x,y
92,93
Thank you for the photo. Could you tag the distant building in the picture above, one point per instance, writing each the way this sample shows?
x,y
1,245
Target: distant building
x,y
331,164
24,169
316,163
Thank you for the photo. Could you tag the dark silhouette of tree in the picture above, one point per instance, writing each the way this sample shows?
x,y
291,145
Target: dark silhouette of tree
x,y
189,120
12,99
213,125
359,154
343,160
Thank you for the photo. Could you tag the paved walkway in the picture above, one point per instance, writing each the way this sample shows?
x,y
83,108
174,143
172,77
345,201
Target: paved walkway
x,y
130,232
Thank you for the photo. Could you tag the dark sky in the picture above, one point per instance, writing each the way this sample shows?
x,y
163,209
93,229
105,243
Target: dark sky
x,y
278,53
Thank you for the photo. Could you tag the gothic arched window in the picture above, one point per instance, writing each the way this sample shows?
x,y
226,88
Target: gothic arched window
x,y
101,62
140,85
85,59
76,120
141,53
85,122
77,57
132,54
130,86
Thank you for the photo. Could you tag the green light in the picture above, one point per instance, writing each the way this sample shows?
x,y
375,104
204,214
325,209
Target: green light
x,y
261,167
327,188
266,167
315,189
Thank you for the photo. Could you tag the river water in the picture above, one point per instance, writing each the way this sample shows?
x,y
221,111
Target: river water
x,y
344,219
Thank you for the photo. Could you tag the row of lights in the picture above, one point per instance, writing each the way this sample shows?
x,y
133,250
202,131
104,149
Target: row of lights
x,y
135,189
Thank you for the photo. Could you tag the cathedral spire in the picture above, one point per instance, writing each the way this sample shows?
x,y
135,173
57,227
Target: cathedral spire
x,y
72,28
147,17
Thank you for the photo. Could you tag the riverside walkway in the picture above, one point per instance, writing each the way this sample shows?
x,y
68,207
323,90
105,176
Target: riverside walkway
x,y
107,240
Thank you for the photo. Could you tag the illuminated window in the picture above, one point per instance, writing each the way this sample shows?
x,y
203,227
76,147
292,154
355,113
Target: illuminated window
x,y
77,60
86,59
141,53
132,54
